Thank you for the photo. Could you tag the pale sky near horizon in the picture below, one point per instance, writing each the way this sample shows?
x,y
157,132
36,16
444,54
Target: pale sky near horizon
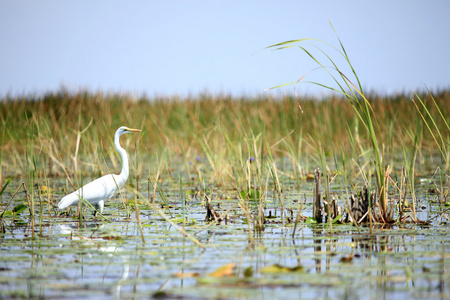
x,y
188,47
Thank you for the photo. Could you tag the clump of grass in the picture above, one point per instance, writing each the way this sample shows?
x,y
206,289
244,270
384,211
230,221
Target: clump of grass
x,y
352,91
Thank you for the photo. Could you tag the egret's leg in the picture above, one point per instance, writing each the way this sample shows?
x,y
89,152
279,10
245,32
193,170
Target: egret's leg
x,y
101,205
97,208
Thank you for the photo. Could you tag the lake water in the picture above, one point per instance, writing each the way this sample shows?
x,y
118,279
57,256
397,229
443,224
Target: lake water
x,y
108,259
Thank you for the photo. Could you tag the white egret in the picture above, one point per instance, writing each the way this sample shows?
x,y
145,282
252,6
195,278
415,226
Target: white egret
x,y
103,188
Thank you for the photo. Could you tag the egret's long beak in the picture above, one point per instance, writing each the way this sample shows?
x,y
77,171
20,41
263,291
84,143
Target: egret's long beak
x,y
133,130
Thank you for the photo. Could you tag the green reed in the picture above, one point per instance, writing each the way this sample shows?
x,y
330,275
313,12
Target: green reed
x,y
440,137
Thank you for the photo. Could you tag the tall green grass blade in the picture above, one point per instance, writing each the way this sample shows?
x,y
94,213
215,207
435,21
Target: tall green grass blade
x,y
7,182
428,125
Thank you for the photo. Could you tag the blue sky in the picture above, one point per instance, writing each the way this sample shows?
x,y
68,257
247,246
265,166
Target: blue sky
x,y
188,47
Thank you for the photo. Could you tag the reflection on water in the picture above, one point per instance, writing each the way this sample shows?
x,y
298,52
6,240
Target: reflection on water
x,y
111,261
95,235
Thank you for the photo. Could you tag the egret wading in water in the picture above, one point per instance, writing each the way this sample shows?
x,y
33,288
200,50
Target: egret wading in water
x,y
103,188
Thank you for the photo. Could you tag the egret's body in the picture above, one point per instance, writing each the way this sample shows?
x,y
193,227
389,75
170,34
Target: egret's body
x,y
103,188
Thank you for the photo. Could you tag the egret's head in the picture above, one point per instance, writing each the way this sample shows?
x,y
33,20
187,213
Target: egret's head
x,y
124,129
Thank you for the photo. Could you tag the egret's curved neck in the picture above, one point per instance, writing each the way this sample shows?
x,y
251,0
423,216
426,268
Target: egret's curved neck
x,y
123,176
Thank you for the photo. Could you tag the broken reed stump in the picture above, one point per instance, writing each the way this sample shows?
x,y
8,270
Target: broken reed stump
x,y
328,203
360,205
261,219
317,209
211,214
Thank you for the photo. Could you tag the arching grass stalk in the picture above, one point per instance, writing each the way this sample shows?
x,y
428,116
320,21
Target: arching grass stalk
x,y
442,143
355,95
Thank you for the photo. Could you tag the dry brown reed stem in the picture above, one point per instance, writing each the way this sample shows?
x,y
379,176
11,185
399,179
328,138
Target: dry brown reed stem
x,y
248,174
402,196
350,213
249,217
155,187
278,189
385,215
297,218
328,197
403,200
317,210
360,206
370,215
148,190
261,219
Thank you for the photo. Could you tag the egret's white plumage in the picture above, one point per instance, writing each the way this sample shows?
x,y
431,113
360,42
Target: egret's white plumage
x,y
103,188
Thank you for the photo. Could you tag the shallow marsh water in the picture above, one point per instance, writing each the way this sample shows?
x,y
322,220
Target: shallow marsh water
x,y
63,259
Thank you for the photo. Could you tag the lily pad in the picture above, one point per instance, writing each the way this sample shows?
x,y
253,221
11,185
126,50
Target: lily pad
x,y
280,269
250,194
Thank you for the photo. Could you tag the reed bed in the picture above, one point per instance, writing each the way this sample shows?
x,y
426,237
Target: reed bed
x,y
254,146
72,131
